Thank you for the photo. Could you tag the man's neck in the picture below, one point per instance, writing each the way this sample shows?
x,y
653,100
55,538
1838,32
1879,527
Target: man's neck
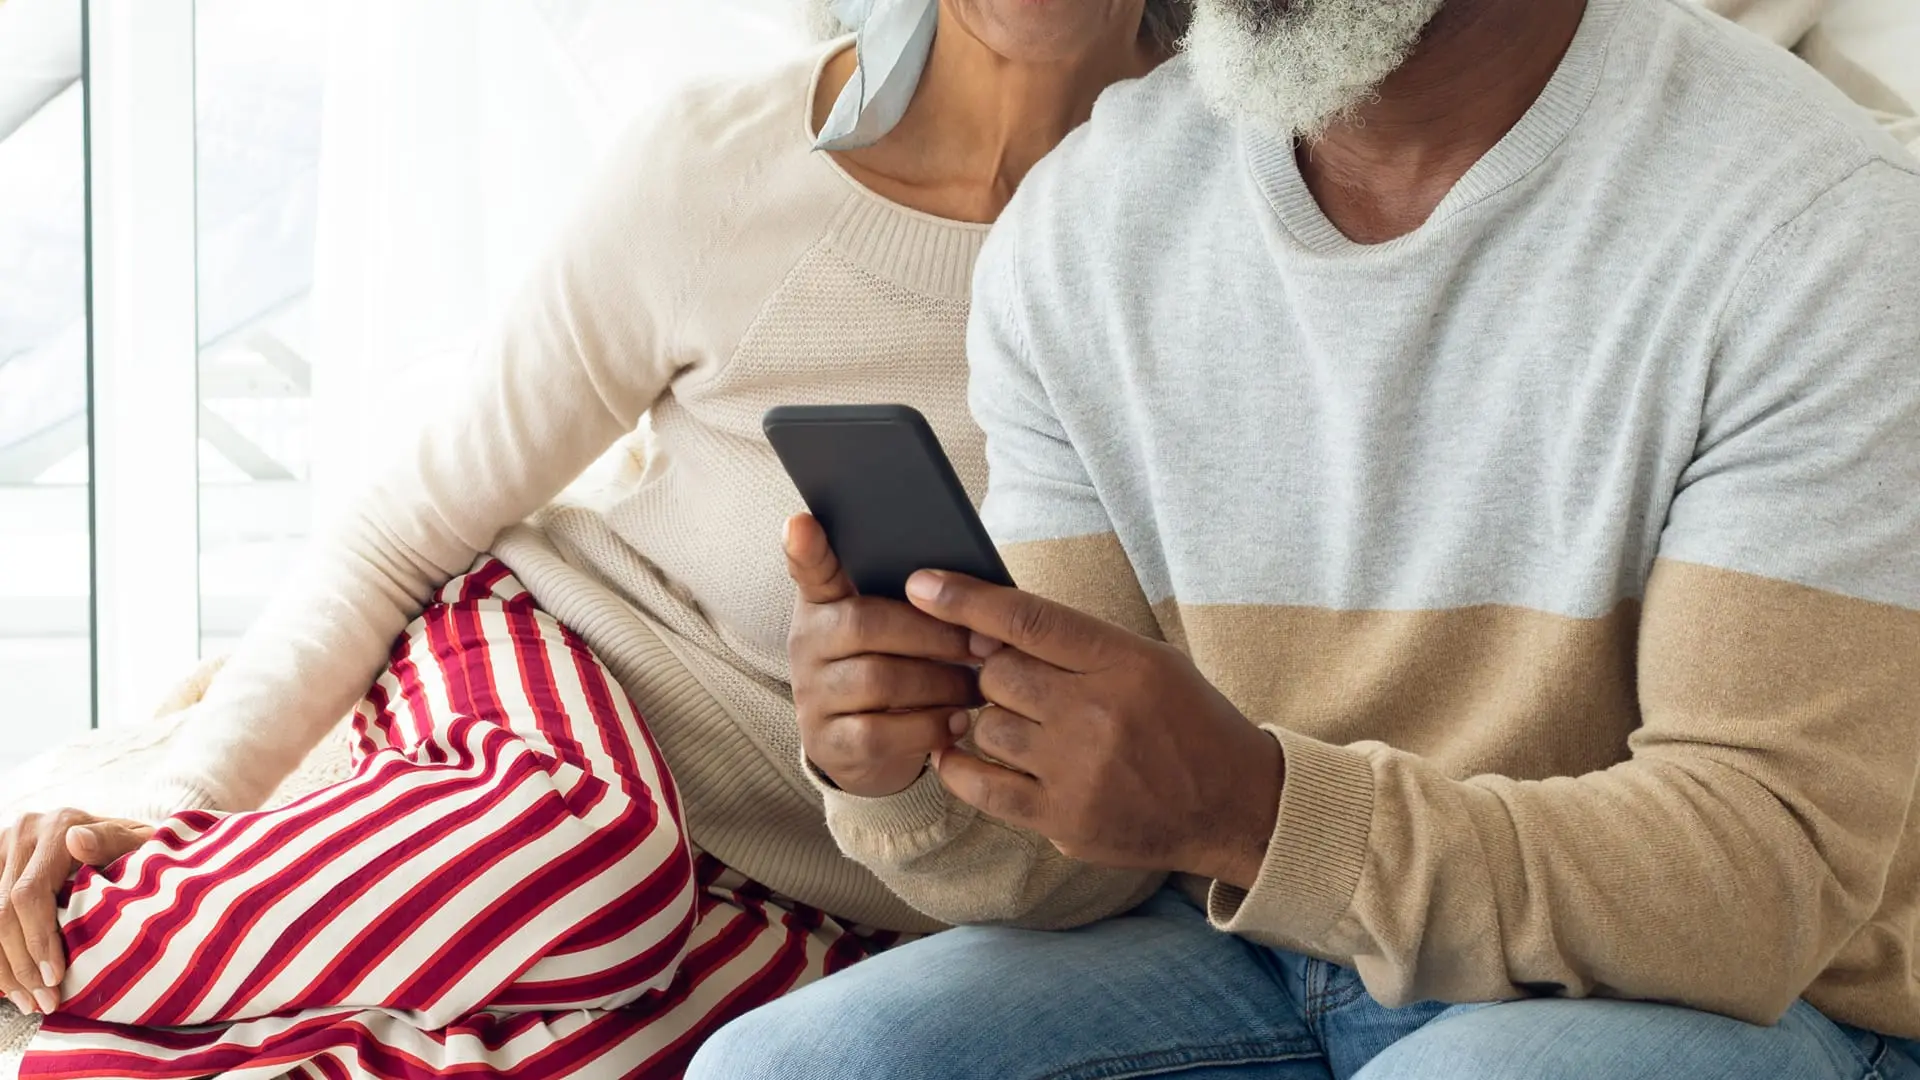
x,y
978,121
1477,70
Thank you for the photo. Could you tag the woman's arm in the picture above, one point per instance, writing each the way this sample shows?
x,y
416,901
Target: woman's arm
x,y
582,353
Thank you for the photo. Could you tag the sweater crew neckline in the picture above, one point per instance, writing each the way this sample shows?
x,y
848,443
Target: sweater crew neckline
x,y
1543,127
916,250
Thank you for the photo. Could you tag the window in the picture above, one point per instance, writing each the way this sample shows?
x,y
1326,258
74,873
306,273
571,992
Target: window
x,y
224,251
260,70
434,145
45,569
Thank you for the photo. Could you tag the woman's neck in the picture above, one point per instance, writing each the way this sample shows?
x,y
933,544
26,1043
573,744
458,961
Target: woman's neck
x,y
978,121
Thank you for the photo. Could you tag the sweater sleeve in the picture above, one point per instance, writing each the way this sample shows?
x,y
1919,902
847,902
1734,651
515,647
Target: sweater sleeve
x,y
938,853
1744,845
580,355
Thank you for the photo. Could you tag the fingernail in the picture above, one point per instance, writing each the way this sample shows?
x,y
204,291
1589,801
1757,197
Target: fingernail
x,y
47,1001
982,646
83,836
786,534
959,722
20,1002
47,976
924,585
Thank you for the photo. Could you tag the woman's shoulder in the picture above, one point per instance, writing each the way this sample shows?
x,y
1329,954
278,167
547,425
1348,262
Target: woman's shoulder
x,y
700,208
713,141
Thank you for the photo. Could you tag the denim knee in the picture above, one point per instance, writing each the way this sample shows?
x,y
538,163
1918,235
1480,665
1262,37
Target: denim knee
x,y
779,1041
1559,1039
742,1050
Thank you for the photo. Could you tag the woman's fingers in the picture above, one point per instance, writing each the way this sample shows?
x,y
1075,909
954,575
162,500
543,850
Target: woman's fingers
x,y
20,978
14,943
8,984
32,897
41,853
103,842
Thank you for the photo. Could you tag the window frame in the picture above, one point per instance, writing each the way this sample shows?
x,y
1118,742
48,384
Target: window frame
x,y
138,67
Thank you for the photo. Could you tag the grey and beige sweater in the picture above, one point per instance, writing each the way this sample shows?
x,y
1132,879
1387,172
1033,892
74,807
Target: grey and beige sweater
x,y
1568,545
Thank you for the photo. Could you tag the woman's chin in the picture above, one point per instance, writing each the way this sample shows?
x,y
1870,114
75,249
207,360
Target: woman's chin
x,y
1046,31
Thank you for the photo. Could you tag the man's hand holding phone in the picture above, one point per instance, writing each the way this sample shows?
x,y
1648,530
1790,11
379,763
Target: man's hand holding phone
x,y
878,686
1114,747
1077,745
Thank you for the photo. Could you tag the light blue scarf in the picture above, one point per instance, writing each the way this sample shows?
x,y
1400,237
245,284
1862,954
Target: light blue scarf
x,y
894,38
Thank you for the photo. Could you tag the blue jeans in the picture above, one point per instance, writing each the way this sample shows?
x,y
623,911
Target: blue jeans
x,y
1158,992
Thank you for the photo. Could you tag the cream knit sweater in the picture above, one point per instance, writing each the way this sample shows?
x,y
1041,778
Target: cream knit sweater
x,y
720,268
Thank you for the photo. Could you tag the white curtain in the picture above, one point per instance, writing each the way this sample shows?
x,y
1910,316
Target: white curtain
x,y
454,135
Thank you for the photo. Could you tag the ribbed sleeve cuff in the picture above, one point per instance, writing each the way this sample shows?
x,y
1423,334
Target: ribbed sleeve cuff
x,y
895,829
172,795
1318,848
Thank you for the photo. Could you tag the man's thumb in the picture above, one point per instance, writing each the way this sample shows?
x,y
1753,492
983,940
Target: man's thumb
x,y
811,563
103,842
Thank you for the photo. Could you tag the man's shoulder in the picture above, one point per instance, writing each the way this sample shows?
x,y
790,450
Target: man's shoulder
x,y
1145,135
1150,143
1741,103
1162,106
1769,143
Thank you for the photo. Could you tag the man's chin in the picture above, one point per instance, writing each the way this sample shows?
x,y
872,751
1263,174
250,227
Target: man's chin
x,y
1281,111
1293,69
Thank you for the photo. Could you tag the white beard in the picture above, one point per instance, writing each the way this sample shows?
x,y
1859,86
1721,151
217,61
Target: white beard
x,y
1295,67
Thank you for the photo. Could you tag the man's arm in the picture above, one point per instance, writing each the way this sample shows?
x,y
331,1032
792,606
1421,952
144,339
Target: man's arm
x,y
1744,846
1723,866
937,852
877,687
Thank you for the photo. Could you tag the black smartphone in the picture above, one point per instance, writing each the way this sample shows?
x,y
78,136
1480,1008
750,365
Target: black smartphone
x,y
879,483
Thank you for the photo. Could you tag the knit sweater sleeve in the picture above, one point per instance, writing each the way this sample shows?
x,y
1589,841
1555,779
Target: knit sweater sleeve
x,y
579,356
938,853
1747,843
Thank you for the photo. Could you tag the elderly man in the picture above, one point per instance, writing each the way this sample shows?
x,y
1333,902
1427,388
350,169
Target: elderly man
x,y
1484,437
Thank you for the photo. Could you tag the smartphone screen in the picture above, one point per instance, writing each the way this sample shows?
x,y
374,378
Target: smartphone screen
x,y
886,494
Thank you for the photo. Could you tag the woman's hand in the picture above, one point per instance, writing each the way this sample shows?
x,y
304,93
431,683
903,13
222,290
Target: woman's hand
x,y
876,684
42,852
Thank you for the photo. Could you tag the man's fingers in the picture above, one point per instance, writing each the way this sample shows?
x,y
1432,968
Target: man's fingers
x,y
879,683
1011,739
103,843
839,623
1041,628
851,743
1014,680
994,790
872,624
811,563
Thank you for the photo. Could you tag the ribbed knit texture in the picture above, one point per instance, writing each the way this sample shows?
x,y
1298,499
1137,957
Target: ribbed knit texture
x,y
1523,147
1566,544
720,267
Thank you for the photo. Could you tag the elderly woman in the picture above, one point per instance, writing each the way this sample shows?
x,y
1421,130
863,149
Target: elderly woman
x,y
578,837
